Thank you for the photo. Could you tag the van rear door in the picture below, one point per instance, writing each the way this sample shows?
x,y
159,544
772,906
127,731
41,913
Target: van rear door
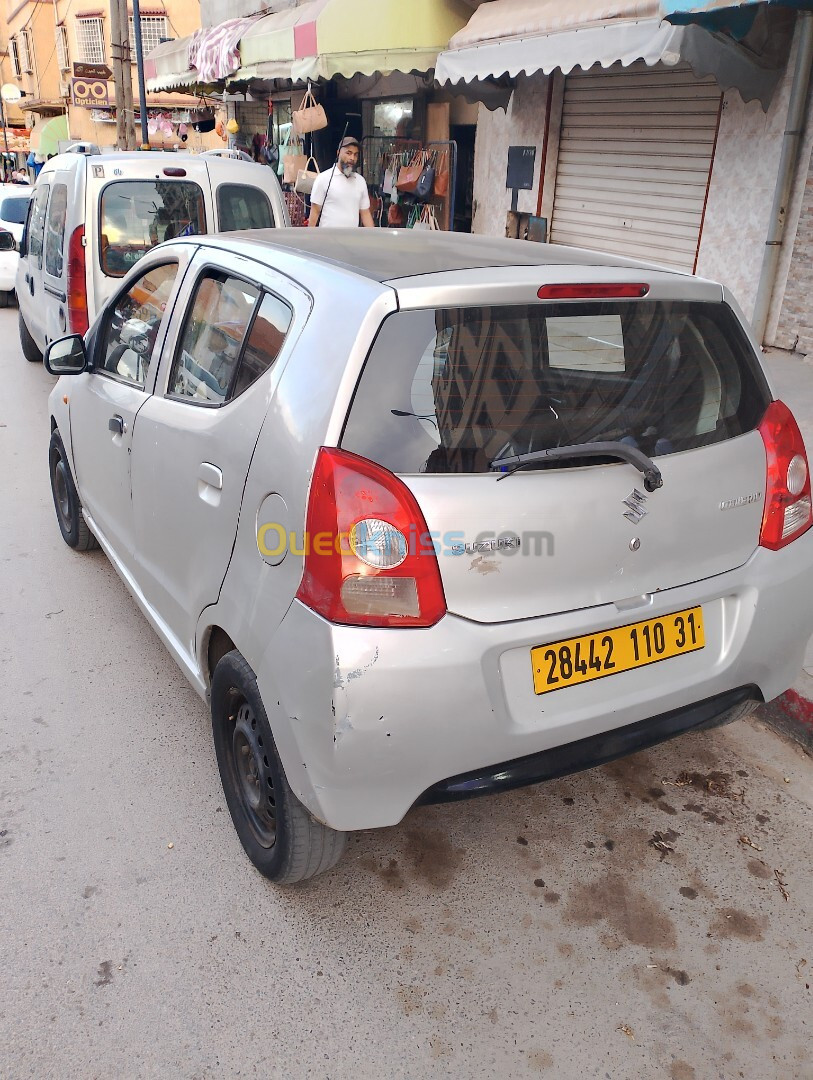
x,y
134,203
246,196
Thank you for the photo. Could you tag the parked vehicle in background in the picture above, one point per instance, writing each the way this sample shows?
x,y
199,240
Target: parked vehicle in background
x,y
14,200
426,516
93,216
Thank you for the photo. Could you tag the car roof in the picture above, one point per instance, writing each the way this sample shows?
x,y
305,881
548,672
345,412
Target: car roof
x,y
17,189
391,254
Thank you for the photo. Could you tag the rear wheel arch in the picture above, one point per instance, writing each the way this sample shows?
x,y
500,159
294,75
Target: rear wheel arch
x,y
217,642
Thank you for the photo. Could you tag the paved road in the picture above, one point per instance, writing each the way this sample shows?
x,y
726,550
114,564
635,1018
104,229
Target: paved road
x,y
606,925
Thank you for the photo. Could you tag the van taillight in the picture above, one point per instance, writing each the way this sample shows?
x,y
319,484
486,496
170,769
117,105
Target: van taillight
x,y
77,286
788,511
369,560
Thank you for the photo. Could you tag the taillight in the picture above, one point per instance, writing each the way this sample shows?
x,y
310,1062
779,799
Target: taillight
x,y
788,511
77,286
369,559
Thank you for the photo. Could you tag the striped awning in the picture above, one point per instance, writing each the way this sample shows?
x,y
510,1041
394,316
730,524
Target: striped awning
x,y
204,58
510,37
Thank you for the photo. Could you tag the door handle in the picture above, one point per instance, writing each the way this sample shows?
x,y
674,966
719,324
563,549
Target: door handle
x,y
116,423
211,475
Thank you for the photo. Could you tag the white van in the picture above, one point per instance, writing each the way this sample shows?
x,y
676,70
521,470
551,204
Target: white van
x,y
93,216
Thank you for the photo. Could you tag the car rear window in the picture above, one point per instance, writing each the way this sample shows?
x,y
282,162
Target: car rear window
x,y
242,206
137,214
452,389
14,210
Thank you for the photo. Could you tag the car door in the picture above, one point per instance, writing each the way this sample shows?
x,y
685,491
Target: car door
x,y
54,265
30,295
195,437
105,401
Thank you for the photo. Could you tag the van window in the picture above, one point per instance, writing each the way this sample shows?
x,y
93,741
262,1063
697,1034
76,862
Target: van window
x,y
135,215
242,207
55,232
14,209
453,389
37,224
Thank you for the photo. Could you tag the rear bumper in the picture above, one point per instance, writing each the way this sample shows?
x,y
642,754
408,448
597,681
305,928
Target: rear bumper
x,y
369,721
592,751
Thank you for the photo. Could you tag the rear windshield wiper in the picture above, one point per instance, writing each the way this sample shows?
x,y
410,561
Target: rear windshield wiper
x,y
652,474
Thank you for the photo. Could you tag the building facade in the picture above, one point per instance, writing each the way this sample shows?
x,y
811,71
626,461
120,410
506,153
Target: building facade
x,y
44,39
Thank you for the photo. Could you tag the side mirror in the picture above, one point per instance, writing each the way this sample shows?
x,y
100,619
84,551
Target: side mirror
x,y
66,356
7,241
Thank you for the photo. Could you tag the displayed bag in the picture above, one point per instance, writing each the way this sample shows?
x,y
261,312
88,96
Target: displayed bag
x,y
310,116
305,178
202,119
388,184
442,176
408,175
426,220
423,189
292,159
395,216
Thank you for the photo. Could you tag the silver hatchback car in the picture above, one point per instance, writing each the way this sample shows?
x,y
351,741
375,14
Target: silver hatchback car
x,y
429,516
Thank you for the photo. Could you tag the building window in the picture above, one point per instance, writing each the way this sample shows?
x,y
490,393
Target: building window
x,y
24,52
15,57
62,55
153,29
90,40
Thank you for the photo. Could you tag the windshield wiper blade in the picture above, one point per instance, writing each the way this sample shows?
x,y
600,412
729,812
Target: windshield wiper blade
x,y
651,473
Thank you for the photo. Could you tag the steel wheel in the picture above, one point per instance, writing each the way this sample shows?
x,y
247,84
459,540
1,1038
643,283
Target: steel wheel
x,y
62,494
252,773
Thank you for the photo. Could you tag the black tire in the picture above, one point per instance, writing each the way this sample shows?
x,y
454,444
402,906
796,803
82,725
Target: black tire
x,y
5,297
29,346
68,506
283,840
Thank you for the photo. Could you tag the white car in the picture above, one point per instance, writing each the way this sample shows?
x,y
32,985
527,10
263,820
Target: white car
x,y
426,516
14,200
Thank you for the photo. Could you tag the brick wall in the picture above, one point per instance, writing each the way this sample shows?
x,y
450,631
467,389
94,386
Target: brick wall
x,y
795,329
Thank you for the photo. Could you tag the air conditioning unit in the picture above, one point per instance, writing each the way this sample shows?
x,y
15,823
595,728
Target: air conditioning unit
x,y
64,89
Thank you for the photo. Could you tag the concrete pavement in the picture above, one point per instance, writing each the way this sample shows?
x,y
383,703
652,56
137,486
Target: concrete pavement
x,y
629,922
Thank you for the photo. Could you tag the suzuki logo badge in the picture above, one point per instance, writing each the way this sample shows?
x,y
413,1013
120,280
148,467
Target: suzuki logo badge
x,y
635,506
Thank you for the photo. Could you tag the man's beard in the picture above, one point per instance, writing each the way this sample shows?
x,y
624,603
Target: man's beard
x,y
347,168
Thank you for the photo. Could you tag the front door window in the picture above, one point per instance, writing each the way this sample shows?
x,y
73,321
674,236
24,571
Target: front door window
x,y
132,325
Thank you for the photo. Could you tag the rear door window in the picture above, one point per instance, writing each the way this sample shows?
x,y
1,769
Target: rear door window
x,y
137,214
36,226
55,231
453,389
241,206
212,339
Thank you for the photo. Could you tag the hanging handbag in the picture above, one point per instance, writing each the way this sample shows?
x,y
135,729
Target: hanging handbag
x,y
293,161
310,116
427,221
305,178
442,176
408,175
202,119
423,188
395,216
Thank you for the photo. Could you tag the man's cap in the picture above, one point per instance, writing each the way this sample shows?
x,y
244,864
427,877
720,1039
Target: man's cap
x,y
349,141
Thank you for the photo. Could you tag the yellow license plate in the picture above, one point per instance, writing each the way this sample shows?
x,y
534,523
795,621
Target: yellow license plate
x,y
595,656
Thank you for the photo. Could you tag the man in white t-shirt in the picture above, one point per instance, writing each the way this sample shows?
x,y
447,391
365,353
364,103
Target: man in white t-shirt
x,y
339,199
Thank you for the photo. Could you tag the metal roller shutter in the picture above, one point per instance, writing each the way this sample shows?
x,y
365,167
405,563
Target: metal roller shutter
x,y
635,155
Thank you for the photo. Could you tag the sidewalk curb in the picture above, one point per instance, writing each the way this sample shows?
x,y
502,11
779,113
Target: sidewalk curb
x,y
792,715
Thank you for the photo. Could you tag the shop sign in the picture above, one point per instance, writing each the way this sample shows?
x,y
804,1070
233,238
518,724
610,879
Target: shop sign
x,y
90,93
